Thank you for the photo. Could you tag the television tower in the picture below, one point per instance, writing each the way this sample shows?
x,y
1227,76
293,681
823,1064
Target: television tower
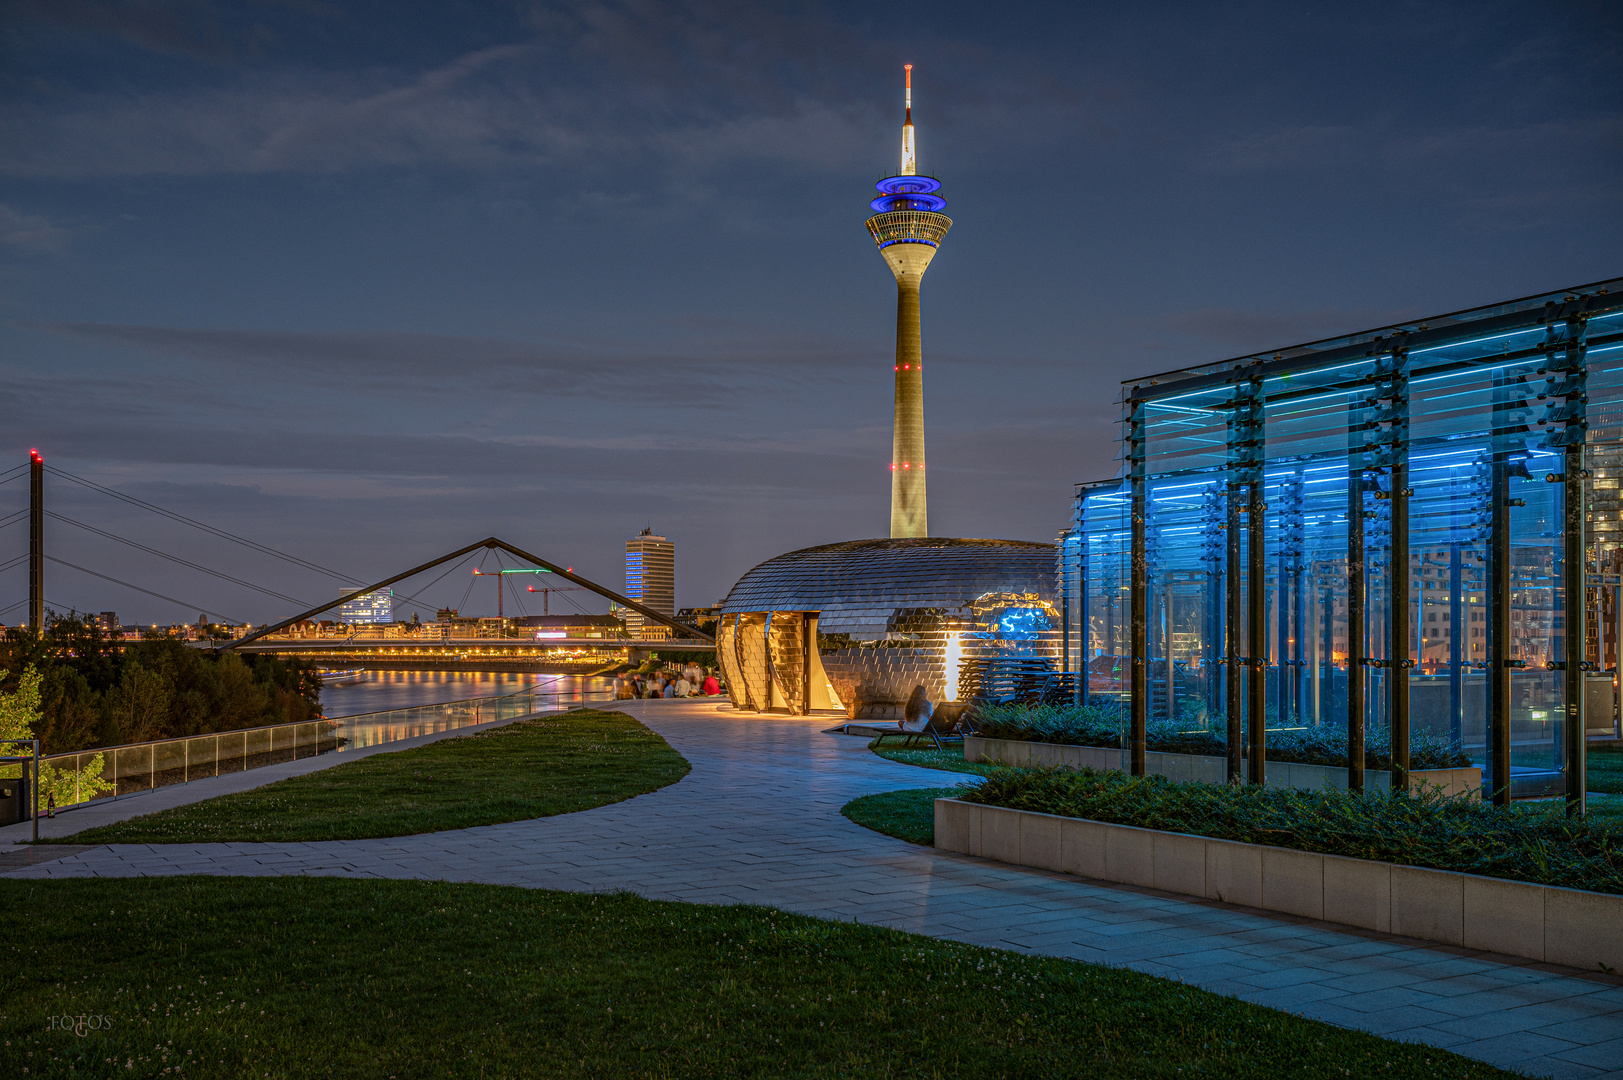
x,y
908,226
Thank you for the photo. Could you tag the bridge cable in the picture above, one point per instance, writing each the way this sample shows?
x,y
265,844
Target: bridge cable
x,y
14,518
177,559
12,474
184,520
423,603
149,592
469,590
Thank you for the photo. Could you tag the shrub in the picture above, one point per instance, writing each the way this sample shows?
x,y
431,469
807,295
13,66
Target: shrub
x,y
1521,843
1093,725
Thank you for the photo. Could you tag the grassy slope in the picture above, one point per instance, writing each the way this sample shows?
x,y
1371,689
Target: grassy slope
x,y
532,768
295,977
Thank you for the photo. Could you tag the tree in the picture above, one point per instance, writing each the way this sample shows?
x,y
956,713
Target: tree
x,y
140,703
19,719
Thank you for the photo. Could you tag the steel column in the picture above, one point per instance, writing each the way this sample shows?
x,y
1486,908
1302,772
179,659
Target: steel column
x,y
1574,567
1082,595
1356,709
1256,587
1139,590
1497,587
1398,629
1392,437
1456,635
1233,626
36,542
1566,419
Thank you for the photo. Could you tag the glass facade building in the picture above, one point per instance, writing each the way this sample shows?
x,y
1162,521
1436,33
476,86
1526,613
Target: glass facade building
x,y
368,608
856,626
1410,529
650,580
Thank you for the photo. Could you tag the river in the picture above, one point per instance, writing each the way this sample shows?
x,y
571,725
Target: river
x,y
375,691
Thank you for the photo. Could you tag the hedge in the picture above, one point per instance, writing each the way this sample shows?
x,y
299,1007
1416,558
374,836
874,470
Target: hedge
x,y
1091,725
1521,843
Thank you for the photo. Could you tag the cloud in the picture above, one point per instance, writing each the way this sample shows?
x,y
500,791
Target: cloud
x,y
608,88
1249,330
183,28
710,369
1313,146
26,231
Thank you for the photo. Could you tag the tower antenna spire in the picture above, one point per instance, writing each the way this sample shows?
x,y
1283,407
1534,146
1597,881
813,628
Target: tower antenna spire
x,y
909,154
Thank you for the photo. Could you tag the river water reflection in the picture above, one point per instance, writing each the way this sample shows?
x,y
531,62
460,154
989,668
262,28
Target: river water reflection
x,y
375,691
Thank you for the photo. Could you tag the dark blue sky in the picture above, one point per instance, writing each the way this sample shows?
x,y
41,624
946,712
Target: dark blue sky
x,y
369,281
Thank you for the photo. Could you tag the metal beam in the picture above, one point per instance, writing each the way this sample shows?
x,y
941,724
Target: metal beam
x,y
1601,297
490,542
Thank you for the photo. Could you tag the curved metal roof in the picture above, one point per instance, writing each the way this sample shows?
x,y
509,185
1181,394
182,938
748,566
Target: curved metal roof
x,y
862,585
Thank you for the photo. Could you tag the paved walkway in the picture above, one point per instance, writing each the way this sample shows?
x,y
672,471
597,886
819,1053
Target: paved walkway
x,y
757,821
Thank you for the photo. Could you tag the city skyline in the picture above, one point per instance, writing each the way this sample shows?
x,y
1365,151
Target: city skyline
x,y
355,282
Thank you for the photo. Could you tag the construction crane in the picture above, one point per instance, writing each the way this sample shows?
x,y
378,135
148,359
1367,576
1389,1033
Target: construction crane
x,y
497,574
547,590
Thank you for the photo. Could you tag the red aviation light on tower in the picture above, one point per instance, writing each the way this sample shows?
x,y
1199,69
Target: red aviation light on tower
x,y
33,455
910,158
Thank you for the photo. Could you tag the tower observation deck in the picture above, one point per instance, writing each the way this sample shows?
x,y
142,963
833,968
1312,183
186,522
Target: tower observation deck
x,y
908,227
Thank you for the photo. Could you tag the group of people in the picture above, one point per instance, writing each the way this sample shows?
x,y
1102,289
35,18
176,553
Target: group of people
x,y
690,681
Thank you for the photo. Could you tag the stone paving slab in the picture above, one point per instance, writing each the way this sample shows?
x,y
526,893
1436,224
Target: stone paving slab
x,y
757,821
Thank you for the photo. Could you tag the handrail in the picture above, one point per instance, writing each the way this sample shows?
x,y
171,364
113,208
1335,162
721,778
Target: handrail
x,y
276,741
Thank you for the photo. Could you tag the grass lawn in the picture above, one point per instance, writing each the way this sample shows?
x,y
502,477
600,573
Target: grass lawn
x,y
948,759
1605,772
300,976
528,769
907,815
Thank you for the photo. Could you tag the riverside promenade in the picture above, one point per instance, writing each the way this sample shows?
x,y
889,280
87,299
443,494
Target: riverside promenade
x,y
757,822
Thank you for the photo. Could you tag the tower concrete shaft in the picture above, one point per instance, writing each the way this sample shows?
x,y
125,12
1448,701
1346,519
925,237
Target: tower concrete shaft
x,y
909,508
908,228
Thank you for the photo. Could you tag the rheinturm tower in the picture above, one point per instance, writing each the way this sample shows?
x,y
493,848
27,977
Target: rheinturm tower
x,y
908,226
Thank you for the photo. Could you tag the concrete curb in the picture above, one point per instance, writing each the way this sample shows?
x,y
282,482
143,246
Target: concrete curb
x,y
1539,922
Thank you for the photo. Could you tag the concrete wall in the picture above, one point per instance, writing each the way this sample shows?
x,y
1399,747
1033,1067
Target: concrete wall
x,y
1539,922
1211,770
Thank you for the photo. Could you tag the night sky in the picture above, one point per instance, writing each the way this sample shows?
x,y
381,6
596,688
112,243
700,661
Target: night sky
x,y
366,282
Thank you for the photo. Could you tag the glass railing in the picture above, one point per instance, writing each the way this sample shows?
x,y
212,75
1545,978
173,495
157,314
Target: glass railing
x,y
110,772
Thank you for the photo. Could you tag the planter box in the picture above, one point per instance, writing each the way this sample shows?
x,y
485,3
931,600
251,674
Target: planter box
x,y
1211,770
1540,922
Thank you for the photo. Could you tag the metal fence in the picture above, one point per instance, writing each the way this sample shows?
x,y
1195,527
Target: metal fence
x,y
138,767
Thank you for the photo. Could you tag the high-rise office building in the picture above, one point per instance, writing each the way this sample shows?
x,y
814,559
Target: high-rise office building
x,y
650,580
367,608
908,227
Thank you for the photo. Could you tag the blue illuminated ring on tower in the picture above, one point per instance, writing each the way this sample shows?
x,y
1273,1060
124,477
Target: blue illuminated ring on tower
x,y
908,193
908,185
